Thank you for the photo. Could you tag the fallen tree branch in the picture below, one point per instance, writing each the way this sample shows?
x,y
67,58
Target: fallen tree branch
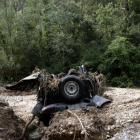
x,y
74,133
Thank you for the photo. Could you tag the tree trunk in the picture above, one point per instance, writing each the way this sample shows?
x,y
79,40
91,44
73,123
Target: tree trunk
x,y
127,9
39,25
126,5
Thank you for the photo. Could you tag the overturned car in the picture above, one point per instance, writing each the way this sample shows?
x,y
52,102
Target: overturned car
x,y
60,92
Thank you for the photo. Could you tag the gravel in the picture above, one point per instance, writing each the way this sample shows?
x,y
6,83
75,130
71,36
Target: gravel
x,y
21,105
125,109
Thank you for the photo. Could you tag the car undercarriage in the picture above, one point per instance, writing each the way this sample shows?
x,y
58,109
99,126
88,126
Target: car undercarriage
x,y
77,89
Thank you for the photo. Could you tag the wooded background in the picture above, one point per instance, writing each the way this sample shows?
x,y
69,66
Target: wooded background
x,y
103,35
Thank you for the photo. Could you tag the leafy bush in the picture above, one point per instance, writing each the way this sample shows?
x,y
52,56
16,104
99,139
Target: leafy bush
x,y
121,63
92,57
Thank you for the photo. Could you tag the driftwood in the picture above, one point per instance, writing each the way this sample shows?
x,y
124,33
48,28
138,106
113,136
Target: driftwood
x,y
50,81
98,81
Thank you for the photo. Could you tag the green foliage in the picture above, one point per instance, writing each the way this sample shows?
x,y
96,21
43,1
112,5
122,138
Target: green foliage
x,y
59,35
92,55
122,63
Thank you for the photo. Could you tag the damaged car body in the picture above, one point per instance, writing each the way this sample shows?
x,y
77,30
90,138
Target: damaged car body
x,y
58,93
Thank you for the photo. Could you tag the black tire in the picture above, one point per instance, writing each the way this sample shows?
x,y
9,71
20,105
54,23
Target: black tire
x,y
71,88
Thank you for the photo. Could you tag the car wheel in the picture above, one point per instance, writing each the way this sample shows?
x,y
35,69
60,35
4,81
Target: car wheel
x,y
71,88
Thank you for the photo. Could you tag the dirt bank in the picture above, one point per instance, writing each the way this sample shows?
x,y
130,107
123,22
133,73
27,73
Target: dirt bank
x,y
79,124
10,124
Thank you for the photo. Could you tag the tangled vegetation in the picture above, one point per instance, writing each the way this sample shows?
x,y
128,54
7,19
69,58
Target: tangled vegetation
x,y
59,35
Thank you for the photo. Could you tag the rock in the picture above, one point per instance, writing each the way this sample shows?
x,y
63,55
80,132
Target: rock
x,y
129,121
42,132
32,126
64,131
1,129
71,133
125,138
82,132
35,135
107,136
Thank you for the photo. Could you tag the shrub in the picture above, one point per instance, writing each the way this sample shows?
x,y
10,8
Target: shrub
x,y
121,63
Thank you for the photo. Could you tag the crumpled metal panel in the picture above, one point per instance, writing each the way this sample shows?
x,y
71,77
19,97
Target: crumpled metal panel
x,y
96,101
99,101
